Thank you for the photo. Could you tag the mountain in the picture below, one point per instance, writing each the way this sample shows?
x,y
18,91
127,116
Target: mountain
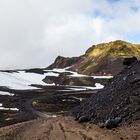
x,y
101,59
118,102
63,62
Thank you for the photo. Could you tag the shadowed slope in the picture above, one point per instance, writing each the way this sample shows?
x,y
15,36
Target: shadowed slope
x,y
120,98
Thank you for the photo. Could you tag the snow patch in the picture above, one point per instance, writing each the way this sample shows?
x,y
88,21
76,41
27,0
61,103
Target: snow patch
x,y
52,74
76,74
79,88
102,77
22,80
3,108
6,93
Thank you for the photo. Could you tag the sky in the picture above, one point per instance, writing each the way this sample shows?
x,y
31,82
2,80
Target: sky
x,y
34,32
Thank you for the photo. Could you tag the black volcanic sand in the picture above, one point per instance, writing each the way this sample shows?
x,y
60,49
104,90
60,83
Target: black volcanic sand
x,y
52,100
118,102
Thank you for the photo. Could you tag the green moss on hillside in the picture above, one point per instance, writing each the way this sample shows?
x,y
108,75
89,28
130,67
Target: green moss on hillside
x,y
105,58
117,48
98,55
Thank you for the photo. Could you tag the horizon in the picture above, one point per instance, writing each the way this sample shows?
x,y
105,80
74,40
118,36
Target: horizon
x,y
33,33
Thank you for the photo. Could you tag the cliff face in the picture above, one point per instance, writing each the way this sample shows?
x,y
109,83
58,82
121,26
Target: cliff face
x,y
101,59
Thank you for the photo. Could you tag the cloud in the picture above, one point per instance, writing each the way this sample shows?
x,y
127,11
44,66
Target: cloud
x,y
33,33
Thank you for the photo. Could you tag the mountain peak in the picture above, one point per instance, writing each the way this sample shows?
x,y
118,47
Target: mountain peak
x,y
114,48
62,62
120,42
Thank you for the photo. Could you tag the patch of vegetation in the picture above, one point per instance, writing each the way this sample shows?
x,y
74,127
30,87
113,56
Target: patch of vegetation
x,y
5,116
61,112
53,107
116,48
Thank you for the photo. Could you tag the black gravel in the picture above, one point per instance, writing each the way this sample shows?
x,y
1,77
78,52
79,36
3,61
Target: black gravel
x,y
119,100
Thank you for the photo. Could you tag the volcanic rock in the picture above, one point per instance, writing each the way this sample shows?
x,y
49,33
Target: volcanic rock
x,y
129,61
66,79
75,81
35,70
118,102
49,79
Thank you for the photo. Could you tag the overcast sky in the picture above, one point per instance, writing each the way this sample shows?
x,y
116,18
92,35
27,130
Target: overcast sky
x,y
34,32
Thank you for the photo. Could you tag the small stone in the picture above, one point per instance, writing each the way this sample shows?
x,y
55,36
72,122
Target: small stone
x,y
101,125
118,107
124,78
133,72
112,123
83,119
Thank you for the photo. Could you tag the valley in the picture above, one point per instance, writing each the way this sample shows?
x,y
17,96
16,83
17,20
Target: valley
x,y
22,91
93,96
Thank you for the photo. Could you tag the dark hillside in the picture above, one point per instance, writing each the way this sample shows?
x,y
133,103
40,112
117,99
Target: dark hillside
x,y
118,101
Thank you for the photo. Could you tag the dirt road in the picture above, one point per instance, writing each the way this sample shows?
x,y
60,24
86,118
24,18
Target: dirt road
x,y
64,128
45,129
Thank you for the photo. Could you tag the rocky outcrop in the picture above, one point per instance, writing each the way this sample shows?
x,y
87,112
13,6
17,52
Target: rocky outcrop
x,y
129,61
75,81
35,70
66,79
63,62
49,79
118,102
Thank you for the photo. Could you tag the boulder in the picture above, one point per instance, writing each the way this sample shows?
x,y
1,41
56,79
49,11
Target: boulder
x,y
83,119
112,123
129,61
